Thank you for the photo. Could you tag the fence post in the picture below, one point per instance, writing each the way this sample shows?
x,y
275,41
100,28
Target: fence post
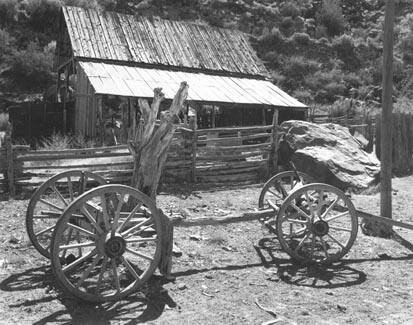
x,y
274,143
192,124
10,162
378,135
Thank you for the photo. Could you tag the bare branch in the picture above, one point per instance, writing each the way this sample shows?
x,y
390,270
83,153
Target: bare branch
x,y
150,114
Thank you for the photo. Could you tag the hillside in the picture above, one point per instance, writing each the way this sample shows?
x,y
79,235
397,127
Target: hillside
x,y
316,50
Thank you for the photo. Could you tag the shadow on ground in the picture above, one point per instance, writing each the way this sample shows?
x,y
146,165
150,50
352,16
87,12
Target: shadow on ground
x,y
141,307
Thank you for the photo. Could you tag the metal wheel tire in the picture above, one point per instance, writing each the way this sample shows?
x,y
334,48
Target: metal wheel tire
x,y
317,223
50,200
107,243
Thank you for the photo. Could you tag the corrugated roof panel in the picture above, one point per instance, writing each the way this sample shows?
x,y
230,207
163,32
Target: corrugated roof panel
x,y
140,82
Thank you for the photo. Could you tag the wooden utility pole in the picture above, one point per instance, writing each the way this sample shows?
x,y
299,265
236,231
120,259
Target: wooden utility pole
x,y
370,226
386,120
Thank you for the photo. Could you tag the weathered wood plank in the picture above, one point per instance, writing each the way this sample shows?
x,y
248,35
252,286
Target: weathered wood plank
x,y
387,221
213,221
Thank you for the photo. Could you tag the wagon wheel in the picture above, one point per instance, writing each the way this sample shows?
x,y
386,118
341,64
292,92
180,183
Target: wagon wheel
x,y
50,200
276,189
317,223
118,245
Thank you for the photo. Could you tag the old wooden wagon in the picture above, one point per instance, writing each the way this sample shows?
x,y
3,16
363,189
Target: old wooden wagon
x,y
106,242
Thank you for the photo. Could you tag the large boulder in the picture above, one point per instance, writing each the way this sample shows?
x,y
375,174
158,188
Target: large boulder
x,y
330,154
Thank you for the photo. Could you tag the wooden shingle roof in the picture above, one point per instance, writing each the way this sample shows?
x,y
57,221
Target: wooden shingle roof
x,y
159,42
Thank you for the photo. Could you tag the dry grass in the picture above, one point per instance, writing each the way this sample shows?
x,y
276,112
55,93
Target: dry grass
x,y
56,141
4,121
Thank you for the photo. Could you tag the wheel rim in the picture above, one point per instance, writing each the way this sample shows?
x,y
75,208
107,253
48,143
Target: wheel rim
x,y
118,248
50,200
277,188
317,223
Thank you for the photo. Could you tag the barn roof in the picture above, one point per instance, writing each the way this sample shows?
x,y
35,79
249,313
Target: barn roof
x,y
137,39
131,81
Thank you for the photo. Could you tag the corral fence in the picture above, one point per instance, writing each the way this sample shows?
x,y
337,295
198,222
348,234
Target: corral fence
x,y
362,123
207,157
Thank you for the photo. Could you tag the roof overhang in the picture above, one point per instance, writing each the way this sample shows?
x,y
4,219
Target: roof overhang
x,y
113,79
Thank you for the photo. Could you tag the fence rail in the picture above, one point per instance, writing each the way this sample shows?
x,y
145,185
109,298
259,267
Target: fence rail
x,y
207,156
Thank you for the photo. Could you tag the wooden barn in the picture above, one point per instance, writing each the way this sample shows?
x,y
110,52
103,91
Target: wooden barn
x,y
107,60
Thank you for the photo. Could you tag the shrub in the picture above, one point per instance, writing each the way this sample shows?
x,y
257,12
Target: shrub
x,y
8,12
271,40
297,67
289,9
42,15
6,43
31,69
87,4
4,121
345,50
403,105
56,141
303,95
352,80
301,39
331,16
272,59
278,78
79,141
286,25
335,89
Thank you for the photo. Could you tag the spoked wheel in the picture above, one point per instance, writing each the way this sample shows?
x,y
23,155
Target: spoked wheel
x,y
107,243
50,200
317,224
276,189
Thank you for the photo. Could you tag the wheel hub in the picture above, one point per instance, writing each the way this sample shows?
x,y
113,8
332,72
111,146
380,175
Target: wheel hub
x,y
320,228
115,246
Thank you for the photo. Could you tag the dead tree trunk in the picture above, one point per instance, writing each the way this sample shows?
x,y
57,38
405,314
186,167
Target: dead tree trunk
x,y
150,144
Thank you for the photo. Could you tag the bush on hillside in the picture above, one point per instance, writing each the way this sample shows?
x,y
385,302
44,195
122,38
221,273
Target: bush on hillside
x,y
41,15
31,68
294,69
6,43
303,95
330,15
406,38
334,90
346,51
272,40
326,85
297,67
352,80
403,105
289,9
272,59
278,78
301,39
8,12
287,26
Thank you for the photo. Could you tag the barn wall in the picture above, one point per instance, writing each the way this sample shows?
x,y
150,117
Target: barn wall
x,y
86,106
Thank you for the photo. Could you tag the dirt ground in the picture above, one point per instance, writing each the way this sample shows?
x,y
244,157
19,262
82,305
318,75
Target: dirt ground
x,y
225,273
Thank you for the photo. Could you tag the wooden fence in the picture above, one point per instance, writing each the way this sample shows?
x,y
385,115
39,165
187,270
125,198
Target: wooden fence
x,y
402,142
210,157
